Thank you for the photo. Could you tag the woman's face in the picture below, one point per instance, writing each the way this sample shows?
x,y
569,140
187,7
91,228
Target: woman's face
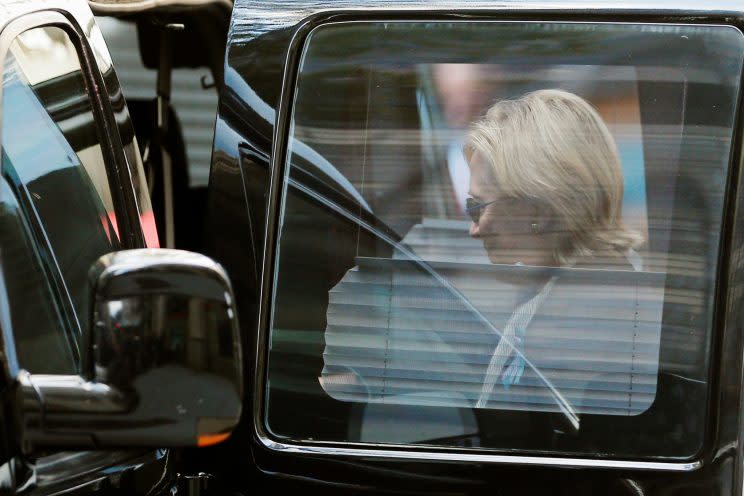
x,y
512,230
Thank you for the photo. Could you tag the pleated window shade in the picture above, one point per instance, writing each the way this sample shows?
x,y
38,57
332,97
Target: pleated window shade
x,y
397,334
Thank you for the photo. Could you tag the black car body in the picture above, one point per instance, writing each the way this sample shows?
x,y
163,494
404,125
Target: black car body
x,y
368,316
326,131
95,321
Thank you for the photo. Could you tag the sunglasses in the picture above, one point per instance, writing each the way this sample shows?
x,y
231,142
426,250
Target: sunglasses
x,y
475,209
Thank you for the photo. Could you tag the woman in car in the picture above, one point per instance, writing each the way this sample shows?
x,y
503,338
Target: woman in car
x,y
546,189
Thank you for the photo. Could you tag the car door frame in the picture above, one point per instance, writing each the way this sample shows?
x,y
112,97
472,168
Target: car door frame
x,y
251,131
87,471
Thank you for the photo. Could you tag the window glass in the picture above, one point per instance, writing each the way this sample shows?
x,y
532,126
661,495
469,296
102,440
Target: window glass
x,y
508,242
35,318
52,159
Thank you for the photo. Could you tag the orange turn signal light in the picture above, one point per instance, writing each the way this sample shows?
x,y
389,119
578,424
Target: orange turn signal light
x,y
211,439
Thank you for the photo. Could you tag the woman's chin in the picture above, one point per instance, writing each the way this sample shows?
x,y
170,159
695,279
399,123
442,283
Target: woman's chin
x,y
519,257
501,258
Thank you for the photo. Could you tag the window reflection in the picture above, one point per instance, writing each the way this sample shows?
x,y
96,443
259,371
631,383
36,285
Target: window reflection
x,y
53,160
35,318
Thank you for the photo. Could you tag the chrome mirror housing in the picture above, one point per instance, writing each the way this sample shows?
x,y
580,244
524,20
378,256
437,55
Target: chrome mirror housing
x,y
162,362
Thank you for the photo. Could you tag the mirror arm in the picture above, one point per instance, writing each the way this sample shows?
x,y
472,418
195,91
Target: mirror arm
x,y
72,393
42,396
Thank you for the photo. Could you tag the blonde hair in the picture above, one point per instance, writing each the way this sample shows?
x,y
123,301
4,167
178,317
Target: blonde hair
x,y
552,147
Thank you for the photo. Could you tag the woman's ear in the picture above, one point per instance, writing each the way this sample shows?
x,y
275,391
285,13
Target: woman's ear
x,y
542,219
548,222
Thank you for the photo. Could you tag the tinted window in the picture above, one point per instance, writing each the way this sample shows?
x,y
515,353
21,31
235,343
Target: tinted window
x,y
505,242
53,161
36,320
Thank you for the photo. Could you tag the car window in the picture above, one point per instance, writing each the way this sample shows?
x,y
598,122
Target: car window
x,y
53,161
508,242
36,322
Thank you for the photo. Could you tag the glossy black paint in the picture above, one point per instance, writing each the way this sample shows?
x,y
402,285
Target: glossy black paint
x,y
263,48
127,472
113,472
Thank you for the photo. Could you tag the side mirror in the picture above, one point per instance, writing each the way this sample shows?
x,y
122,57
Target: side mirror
x,y
161,366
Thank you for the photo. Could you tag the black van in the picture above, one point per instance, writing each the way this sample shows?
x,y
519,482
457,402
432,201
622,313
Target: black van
x,y
112,349
475,247
377,274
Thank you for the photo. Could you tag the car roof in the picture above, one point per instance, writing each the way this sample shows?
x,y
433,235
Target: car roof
x,y
257,15
123,7
11,9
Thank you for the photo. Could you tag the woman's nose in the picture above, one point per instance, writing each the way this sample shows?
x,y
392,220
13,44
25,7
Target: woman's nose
x,y
474,230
